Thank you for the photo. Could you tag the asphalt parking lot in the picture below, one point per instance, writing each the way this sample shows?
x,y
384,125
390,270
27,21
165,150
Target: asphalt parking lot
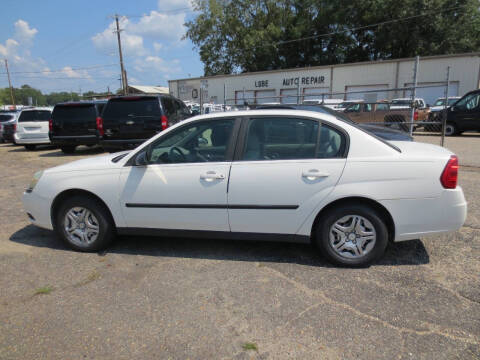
x,y
148,298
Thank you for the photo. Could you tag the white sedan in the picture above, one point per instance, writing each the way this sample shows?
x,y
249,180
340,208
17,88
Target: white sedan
x,y
282,175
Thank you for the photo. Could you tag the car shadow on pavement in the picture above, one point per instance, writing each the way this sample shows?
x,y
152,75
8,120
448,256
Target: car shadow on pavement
x,y
21,148
403,253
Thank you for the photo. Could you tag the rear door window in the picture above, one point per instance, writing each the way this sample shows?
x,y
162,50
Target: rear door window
x,y
74,113
34,115
134,107
168,106
292,138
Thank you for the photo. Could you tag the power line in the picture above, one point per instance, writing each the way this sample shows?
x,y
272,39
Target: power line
x,y
366,26
60,70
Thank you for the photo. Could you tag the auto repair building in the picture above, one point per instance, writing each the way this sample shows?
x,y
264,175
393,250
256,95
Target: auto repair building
x,y
344,81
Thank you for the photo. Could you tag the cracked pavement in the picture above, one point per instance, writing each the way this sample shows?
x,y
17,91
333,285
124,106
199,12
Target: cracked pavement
x,y
150,298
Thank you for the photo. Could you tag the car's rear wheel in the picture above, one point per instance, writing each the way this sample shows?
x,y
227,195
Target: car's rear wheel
x,y
84,224
30,147
352,235
68,149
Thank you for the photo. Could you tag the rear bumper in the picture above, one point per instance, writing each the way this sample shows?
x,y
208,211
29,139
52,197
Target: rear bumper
x,y
27,140
415,218
74,140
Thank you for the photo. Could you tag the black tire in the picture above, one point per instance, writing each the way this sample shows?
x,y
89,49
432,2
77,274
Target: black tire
x,y
30,147
106,226
451,129
322,234
70,149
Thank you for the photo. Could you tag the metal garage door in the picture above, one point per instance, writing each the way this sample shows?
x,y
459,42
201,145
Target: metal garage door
x,y
265,96
433,91
249,97
368,96
289,96
315,93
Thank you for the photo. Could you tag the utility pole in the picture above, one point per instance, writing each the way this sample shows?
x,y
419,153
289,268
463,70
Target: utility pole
x,y
122,69
9,82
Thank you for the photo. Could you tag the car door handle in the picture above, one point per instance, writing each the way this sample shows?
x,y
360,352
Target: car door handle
x,y
313,174
212,175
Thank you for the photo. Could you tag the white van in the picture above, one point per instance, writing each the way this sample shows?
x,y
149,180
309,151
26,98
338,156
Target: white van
x,y
32,127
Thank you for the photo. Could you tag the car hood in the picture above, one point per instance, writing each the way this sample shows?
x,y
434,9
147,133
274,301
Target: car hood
x,y
102,162
386,133
437,108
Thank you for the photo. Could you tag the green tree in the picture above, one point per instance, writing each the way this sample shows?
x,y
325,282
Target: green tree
x,y
254,35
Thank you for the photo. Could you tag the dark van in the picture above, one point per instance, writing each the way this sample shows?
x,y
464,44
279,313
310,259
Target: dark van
x,y
76,123
128,121
464,115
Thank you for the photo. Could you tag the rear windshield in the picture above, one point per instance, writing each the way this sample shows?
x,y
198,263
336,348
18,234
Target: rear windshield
x,y
74,113
133,107
34,115
4,117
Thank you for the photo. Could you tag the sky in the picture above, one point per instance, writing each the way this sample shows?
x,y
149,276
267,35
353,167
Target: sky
x,y
66,45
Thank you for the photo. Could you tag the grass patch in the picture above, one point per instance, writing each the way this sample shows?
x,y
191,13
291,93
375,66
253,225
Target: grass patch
x,y
250,346
44,290
94,275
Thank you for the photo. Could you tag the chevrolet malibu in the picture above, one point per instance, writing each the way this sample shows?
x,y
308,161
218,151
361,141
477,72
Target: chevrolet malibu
x,y
281,175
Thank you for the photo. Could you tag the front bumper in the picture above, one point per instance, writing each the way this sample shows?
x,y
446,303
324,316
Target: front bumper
x,y
38,209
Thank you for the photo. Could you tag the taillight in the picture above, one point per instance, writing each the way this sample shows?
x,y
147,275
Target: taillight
x,y
450,173
100,126
14,127
50,125
415,116
164,122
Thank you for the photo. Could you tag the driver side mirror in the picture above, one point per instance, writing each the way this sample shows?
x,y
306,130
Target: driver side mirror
x,y
142,158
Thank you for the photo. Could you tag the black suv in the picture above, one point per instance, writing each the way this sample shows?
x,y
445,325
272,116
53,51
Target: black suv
x,y
464,115
130,120
76,123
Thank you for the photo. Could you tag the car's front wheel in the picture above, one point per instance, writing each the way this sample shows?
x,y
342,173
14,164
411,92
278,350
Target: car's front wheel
x,y
451,129
84,224
352,235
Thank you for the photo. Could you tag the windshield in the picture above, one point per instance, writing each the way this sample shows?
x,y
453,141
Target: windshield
x,y
34,115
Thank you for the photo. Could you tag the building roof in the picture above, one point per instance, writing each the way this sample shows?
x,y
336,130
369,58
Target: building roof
x,y
150,89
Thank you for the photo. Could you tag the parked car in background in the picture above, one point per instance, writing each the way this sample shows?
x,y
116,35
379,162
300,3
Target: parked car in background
x,y
6,118
291,175
127,121
380,113
76,123
439,105
32,127
330,103
346,103
421,107
381,131
464,114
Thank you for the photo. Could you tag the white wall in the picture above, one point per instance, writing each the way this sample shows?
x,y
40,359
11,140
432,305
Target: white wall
x,y
464,71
